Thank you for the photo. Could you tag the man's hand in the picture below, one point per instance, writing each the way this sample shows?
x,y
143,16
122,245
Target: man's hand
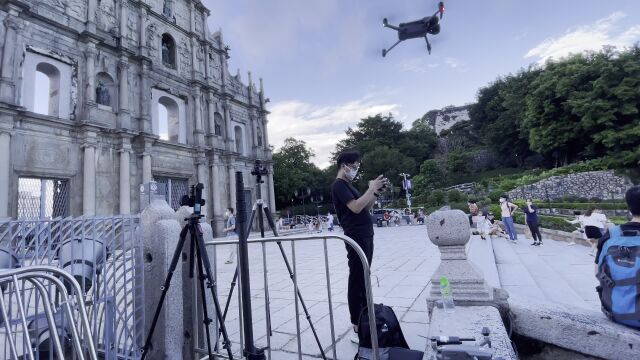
x,y
376,184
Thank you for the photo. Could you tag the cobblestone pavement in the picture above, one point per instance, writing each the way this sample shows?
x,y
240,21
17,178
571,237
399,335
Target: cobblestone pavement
x,y
404,259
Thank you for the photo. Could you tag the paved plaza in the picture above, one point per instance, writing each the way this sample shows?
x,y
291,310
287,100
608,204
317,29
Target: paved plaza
x,y
404,260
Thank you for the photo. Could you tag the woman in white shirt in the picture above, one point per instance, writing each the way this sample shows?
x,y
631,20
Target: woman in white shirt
x,y
593,224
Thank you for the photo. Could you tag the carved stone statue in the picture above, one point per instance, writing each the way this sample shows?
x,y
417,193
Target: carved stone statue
x,y
166,9
166,58
102,94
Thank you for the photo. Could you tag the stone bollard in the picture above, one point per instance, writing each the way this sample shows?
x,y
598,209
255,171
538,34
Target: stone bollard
x,y
160,232
449,230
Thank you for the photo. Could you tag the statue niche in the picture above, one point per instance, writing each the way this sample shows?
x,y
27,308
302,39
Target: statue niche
x,y
104,89
168,51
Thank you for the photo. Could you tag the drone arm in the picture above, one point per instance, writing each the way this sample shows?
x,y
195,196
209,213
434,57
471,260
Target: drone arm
x,y
391,26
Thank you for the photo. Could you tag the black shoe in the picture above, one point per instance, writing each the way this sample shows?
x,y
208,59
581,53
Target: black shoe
x,y
534,244
538,244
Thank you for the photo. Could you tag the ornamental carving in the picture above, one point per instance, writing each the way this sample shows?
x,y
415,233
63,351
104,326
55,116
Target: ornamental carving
x,y
185,56
151,41
215,69
105,16
77,9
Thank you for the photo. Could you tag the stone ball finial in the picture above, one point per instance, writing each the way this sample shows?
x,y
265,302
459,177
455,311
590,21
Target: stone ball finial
x,y
448,228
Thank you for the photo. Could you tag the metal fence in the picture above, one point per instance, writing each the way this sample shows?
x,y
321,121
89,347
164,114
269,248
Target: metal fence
x,y
175,189
324,341
102,254
57,331
40,198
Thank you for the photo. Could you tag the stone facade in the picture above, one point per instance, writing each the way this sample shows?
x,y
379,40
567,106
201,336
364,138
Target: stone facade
x,y
446,117
591,184
137,89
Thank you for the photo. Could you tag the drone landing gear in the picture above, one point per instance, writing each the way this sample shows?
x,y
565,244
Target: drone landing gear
x,y
386,51
428,44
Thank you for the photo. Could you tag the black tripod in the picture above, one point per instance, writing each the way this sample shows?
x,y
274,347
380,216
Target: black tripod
x,y
199,258
259,208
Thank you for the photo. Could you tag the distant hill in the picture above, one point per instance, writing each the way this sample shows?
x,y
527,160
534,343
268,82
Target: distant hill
x,y
446,117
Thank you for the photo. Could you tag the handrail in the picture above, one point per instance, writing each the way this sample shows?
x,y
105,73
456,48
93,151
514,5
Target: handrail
x,y
354,245
59,278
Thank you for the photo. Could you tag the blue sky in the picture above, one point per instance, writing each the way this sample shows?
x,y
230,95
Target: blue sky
x,y
323,71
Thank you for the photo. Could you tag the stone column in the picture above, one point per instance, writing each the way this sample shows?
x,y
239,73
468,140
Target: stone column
x,y
206,49
125,182
143,31
232,185
198,134
124,116
91,15
450,231
227,124
123,20
216,193
91,53
7,86
203,177
89,181
272,196
211,112
195,69
145,103
5,172
146,168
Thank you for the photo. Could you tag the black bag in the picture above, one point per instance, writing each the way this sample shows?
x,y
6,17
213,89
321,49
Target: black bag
x,y
390,337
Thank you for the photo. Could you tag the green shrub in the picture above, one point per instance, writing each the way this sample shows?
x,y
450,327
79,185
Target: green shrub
x,y
436,198
548,222
454,196
581,206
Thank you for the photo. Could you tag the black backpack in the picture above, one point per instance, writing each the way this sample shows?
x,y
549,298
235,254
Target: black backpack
x,y
390,337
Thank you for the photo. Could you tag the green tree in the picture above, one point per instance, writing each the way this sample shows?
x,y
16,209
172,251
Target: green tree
x,y
384,161
370,133
293,169
432,175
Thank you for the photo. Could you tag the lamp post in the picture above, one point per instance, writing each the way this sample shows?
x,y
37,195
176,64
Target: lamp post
x,y
317,199
292,211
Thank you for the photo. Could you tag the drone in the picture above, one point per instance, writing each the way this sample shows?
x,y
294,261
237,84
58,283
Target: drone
x,y
416,29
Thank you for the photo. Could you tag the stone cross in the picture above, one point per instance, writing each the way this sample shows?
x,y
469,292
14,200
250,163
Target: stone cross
x,y
450,231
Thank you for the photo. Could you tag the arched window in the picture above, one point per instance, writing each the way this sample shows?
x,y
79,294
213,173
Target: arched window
x,y
239,141
47,90
105,89
168,119
259,130
168,47
217,124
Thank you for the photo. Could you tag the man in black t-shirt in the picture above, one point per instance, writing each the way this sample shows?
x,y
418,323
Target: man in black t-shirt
x,y
633,203
352,209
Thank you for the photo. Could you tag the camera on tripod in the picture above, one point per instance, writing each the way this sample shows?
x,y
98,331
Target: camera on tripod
x,y
259,171
194,199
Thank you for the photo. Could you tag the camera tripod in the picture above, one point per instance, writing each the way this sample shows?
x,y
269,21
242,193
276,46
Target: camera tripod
x,y
258,209
199,258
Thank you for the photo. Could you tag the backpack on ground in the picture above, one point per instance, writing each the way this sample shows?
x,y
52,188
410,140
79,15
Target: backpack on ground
x,y
619,276
391,342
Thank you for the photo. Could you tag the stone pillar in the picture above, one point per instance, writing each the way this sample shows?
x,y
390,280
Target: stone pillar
x,y
5,172
123,20
124,116
146,168
91,15
211,112
216,194
91,53
450,231
195,69
272,196
227,124
143,31
192,17
232,185
203,177
198,134
7,86
145,103
206,49
265,136
89,181
125,182
160,234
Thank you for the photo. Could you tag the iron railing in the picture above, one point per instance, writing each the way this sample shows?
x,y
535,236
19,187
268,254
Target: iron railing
x,y
276,258
43,315
104,255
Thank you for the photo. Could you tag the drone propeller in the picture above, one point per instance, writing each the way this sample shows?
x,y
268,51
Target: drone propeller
x,y
441,9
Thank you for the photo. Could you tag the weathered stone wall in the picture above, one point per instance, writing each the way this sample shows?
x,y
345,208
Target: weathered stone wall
x,y
591,184
446,117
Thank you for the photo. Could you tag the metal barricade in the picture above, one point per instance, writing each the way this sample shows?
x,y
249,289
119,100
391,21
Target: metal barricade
x,y
104,254
43,315
198,340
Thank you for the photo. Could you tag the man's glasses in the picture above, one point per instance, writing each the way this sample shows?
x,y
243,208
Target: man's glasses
x,y
353,166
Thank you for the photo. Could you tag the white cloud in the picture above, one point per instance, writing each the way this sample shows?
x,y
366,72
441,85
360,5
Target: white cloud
x,y
452,63
418,65
321,127
593,37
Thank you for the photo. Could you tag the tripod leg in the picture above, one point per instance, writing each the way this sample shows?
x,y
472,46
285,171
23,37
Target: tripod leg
x,y
201,278
165,288
204,258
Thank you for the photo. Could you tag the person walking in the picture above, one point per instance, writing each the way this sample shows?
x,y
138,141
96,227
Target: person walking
x,y
507,209
329,222
531,218
352,209
231,234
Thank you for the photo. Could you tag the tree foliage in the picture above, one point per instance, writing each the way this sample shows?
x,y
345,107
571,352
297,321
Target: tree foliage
x,y
293,169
